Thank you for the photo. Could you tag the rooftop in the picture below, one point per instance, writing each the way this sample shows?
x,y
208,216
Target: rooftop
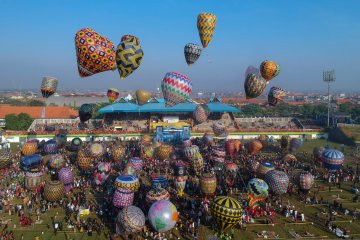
x,y
36,112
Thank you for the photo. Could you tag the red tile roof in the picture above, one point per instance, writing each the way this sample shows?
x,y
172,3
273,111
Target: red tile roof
x,y
35,112
341,101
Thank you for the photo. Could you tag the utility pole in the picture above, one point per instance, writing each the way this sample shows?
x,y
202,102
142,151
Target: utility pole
x,y
329,77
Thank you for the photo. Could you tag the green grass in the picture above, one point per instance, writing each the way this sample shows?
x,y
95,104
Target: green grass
x,y
353,132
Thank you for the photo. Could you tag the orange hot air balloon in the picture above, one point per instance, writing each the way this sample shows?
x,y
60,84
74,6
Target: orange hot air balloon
x,y
254,146
269,69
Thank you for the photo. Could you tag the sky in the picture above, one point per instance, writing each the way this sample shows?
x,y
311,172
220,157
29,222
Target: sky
x,y
305,37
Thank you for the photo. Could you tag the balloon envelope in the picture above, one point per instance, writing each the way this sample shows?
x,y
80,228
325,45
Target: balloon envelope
x,y
142,96
332,159
163,215
112,94
131,218
275,95
85,112
176,88
192,53
226,212
206,24
278,181
254,85
48,86
201,113
269,69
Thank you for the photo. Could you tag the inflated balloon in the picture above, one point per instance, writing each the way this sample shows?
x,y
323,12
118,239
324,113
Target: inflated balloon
x,y
278,181
294,144
159,182
176,88
317,152
275,95
289,158
263,168
103,167
127,37
208,183
29,148
197,163
230,148
56,161
258,190
137,163
284,142
54,191
219,128
100,177
112,94
332,159
306,180
132,219
61,140
85,112
180,183
190,152
164,151
201,113
269,69
97,150
33,180
147,152
31,163
263,139
129,170
146,140
95,53
66,176
192,53
128,56
231,168
253,165
142,96
123,198
254,85
206,24
251,70
84,159
254,146
157,194
76,143
50,147
226,212
117,153
48,86
127,182
180,169
208,139
163,215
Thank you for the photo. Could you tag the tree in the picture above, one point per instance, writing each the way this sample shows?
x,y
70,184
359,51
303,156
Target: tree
x,y
18,123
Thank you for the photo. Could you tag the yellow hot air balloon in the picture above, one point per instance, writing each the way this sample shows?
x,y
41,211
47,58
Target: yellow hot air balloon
x,y
269,69
206,24
142,96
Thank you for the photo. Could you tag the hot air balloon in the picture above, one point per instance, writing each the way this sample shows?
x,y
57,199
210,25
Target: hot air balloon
x,y
231,172
206,23
278,181
159,182
127,182
208,139
157,194
294,144
84,160
102,172
95,53
56,161
317,152
289,158
263,168
137,163
180,169
76,144
31,163
208,183
61,140
284,142
163,215
29,148
117,153
254,146
230,148
201,113
190,152
54,191
164,151
131,219
146,140
128,56
66,176
251,70
33,180
112,94
219,128
85,112
332,159
176,88
258,190
147,152
253,165
269,69
197,163
48,86
50,147
180,183
129,170
192,53
264,139
123,197
97,150
306,180
187,143
142,96
275,95
254,85
226,212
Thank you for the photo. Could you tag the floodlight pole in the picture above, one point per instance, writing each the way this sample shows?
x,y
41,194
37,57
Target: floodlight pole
x,y
329,77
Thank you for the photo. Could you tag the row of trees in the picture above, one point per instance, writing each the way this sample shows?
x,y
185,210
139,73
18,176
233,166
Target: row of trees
x,y
19,122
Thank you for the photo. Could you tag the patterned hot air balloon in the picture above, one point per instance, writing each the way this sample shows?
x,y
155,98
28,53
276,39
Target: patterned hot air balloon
x,y
131,219
191,151
275,95
127,182
117,153
66,176
50,147
219,128
164,151
85,112
253,165
332,159
263,168
179,169
254,85
29,148
278,181
97,150
180,183
176,88
269,69
84,160
147,152
294,144
142,96
56,161
192,53
206,24
137,163
48,86
159,182
208,139
254,146
208,183
95,53
157,194
102,172
76,144
306,180
128,56
250,70
33,180
230,148
54,191
112,94
201,113
123,197
163,215
226,212
284,142
197,163
258,190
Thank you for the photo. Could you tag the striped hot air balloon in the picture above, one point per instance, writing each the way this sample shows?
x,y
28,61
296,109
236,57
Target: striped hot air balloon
x,y
206,24
332,159
176,88
226,212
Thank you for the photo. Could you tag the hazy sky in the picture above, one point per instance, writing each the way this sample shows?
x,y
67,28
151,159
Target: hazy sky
x,y
304,37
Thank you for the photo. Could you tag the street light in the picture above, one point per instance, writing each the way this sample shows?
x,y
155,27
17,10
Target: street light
x,y
329,77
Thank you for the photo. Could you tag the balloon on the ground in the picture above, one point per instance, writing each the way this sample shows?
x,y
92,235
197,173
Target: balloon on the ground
x,y
112,94
95,53
317,152
230,148
294,144
208,139
192,53
190,152
254,85
129,56
278,181
127,182
156,195
269,69
66,176
306,180
137,163
219,128
258,190
85,112
50,147
159,182
164,151
226,212
54,191
332,159
84,159
123,197
276,95
163,215
176,88
117,153
289,158
56,161
33,180
29,148
254,146
263,168
131,218
60,139
97,150
206,24
48,86
142,96
201,113
208,183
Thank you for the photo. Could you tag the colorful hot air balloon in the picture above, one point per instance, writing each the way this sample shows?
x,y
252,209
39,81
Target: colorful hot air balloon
x,y
142,96
33,180
117,153
176,88
275,95
254,146
164,151
29,148
332,159
127,182
157,194
306,180
123,197
201,113
163,215
206,24
159,182
197,163
84,159
112,94
147,152
66,176
56,161
254,85
132,219
263,168
219,128
208,183
128,56
50,147
97,150
258,190
76,143
95,53
180,183
102,172
289,158
226,212
230,148
54,191
294,144
192,53
284,142
208,139
278,181
269,69
85,112
137,163
191,151
48,86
